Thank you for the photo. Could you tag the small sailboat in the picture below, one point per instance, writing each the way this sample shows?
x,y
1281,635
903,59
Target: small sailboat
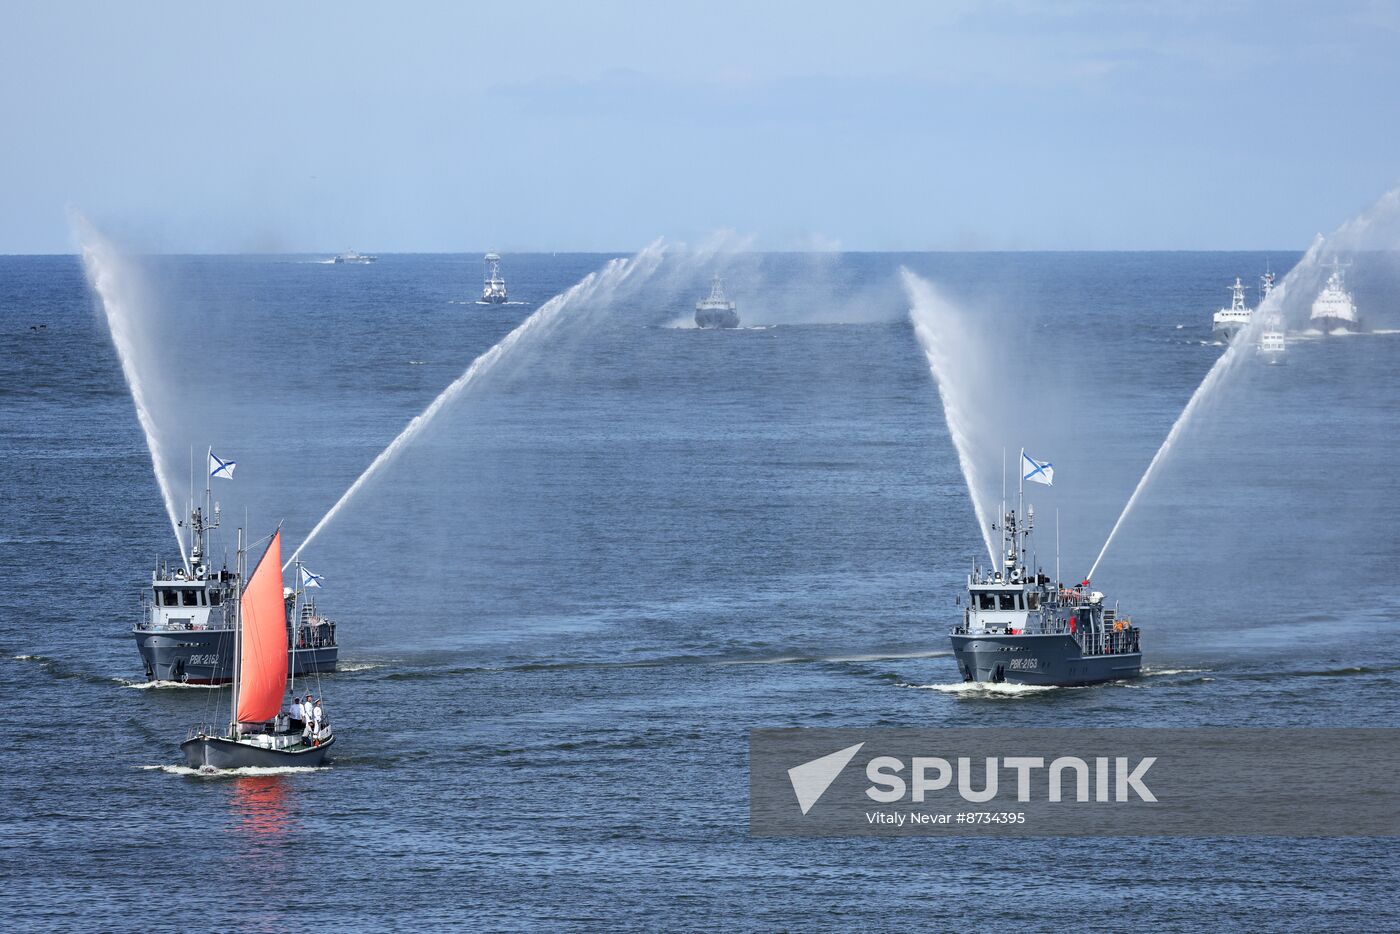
x,y
258,733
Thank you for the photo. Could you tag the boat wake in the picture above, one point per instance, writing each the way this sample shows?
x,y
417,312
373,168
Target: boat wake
x,y
986,689
163,685
250,770
358,666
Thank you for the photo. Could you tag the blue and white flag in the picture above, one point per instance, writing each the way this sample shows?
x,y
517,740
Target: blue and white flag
x,y
221,468
308,579
1037,472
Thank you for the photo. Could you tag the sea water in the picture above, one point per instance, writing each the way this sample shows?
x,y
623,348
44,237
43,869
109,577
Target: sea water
x,y
562,609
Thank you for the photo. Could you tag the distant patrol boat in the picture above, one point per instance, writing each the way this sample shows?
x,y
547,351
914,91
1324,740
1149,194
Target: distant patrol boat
x,y
1334,309
715,310
186,630
1273,341
493,290
1020,627
259,731
350,256
1228,322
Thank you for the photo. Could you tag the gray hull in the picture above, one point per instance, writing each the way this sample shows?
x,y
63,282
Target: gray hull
x,y
711,320
220,753
1050,659
206,656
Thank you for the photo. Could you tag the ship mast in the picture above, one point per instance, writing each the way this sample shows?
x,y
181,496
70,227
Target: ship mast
x,y
238,566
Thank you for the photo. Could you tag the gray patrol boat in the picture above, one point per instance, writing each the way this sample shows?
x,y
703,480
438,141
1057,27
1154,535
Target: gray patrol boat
x,y
1023,628
186,630
716,310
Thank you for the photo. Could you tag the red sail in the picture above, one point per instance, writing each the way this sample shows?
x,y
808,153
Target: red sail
x,y
262,666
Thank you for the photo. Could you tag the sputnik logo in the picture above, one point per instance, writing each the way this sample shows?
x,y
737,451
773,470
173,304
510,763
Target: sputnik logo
x,y
810,780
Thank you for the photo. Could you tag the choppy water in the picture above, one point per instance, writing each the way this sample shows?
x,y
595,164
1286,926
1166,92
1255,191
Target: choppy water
x,y
562,610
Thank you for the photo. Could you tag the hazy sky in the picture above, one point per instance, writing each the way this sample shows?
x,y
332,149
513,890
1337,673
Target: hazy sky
x,y
556,126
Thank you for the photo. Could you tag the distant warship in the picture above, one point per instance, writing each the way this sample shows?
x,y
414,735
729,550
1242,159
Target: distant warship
x,y
1228,322
1273,340
186,629
1022,628
493,291
353,258
1334,309
716,311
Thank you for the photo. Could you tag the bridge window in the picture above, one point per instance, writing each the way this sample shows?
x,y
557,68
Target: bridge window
x,y
986,601
1009,601
216,597
168,597
191,597
1032,601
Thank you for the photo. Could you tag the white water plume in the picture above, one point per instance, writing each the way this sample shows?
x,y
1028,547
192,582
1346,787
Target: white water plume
x,y
596,285
121,298
949,345
1366,230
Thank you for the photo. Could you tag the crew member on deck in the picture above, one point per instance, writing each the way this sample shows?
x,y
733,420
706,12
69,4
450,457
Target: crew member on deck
x,y
316,716
298,721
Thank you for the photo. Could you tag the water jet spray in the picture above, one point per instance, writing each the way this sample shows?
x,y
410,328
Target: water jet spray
x,y
596,284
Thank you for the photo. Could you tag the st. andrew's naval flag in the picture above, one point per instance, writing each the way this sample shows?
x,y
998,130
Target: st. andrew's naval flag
x,y
221,469
1035,471
308,579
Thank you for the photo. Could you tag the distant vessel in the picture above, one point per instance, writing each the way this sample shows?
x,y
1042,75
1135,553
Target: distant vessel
x,y
1230,321
1334,309
494,290
259,732
186,630
1273,342
1021,628
716,311
350,256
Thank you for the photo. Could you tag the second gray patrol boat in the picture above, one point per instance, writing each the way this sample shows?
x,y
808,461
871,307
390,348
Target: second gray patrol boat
x,y
1022,628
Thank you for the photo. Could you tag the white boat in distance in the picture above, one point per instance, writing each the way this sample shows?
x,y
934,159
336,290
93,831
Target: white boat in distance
x,y
350,256
1334,309
1273,341
1228,322
493,290
716,310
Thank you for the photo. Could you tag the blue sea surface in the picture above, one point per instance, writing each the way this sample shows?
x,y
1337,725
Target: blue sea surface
x,y
566,603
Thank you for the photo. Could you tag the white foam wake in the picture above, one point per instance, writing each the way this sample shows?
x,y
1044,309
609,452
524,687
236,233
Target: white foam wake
x,y
164,685
1000,689
593,286
233,773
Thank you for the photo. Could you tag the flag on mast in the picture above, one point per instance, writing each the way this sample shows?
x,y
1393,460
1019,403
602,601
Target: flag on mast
x,y
221,468
1035,471
309,580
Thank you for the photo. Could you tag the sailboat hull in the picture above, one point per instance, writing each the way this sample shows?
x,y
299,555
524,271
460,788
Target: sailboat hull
x,y
219,752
